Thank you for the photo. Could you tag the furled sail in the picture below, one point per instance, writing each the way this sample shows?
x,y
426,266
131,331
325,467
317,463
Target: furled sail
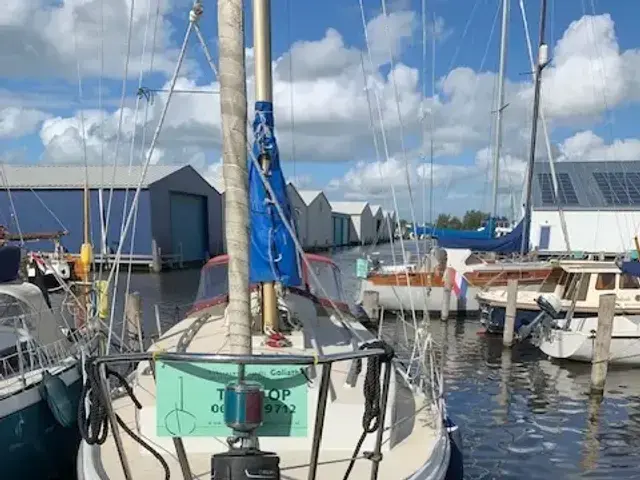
x,y
272,253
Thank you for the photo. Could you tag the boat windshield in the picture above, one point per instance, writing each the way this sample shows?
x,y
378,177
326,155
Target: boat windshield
x,y
214,283
329,283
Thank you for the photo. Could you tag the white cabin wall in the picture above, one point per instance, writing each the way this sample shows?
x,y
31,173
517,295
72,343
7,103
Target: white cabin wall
x,y
367,226
589,231
300,214
319,223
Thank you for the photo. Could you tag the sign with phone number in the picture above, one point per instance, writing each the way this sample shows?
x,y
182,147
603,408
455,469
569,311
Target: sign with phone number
x,y
190,399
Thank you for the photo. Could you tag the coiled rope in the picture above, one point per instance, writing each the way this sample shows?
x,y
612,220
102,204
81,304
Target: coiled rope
x,y
371,388
94,424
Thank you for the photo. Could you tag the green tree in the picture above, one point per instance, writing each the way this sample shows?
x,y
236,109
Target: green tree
x,y
443,220
455,223
473,219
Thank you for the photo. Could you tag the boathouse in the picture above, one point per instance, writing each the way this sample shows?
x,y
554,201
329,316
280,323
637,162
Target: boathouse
x,y
341,229
362,226
600,202
178,212
319,220
378,223
299,213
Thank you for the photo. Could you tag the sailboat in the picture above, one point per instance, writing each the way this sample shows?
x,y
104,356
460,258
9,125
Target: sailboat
x,y
453,266
263,378
40,382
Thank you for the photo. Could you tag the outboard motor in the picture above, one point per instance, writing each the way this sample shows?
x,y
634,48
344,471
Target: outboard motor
x,y
550,304
550,308
243,413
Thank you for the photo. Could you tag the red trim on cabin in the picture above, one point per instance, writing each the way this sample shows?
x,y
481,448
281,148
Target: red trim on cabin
x,y
311,257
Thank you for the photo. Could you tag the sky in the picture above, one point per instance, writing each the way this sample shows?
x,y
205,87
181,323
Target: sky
x,y
356,115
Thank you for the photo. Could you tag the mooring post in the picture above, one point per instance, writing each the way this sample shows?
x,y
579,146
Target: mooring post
x,y
371,305
156,258
133,318
510,312
446,294
600,360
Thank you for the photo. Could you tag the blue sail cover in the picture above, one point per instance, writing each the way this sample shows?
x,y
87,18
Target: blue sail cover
x,y
631,268
484,233
272,254
509,243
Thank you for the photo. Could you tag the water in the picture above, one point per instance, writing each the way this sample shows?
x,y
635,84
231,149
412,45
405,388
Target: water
x,y
522,416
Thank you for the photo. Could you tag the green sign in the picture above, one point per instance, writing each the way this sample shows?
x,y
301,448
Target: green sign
x,y
190,399
362,268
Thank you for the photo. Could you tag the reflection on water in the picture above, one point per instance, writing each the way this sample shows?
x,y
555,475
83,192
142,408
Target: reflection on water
x,y
522,416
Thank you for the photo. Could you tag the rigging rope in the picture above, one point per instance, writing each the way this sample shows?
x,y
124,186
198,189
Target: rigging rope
x,y
120,121
94,422
154,141
126,191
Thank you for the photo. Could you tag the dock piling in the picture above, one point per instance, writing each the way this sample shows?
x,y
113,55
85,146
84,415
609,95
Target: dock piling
x,y
446,295
371,304
133,320
602,344
510,312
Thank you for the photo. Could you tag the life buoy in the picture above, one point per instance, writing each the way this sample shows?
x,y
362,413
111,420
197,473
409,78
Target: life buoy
x,y
56,393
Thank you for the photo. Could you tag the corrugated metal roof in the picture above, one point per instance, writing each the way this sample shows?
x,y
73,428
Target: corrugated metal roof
x,y
308,196
350,208
588,186
73,176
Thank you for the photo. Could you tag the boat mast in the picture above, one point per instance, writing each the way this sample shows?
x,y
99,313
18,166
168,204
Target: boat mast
x,y
86,255
501,106
543,60
233,109
264,93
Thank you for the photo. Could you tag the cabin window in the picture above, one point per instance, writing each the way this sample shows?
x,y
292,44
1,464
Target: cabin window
x,y
583,287
629,282
555,278
577,286
606,281
473,260
328,275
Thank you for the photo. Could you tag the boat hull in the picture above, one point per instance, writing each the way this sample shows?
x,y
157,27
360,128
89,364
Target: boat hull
x,y
33,444
578,342
462,301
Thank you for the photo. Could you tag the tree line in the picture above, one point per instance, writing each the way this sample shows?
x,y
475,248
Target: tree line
x,y
472,220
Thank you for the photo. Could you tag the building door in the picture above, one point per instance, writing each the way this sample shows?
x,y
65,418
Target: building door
x,y
545,237
189,222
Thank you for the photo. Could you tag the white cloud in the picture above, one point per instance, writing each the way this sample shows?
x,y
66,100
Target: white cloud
x,y
589,72
586,145
323,95
17,122
37,37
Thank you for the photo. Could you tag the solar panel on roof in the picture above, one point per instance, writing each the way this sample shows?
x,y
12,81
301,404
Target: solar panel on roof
x,y
619,188
566,192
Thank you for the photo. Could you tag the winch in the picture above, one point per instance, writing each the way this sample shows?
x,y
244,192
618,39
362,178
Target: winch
x,y
243,413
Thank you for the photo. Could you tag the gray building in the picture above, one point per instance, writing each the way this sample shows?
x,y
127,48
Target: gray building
x,y
178,209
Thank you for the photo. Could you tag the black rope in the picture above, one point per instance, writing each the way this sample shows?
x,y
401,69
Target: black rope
x,y
94,424
371,390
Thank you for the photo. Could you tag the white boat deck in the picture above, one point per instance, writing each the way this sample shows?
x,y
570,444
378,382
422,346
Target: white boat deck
x,y
414,434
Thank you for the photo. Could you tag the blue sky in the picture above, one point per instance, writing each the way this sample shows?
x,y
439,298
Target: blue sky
x,y
587,112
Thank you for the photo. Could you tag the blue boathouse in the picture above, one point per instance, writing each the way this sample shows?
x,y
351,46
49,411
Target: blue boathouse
x,y
178,209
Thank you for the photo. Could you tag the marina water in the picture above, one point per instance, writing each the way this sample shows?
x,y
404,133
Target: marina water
x,y
522,416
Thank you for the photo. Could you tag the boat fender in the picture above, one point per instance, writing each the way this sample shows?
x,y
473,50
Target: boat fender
x,y
456,464
56,393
